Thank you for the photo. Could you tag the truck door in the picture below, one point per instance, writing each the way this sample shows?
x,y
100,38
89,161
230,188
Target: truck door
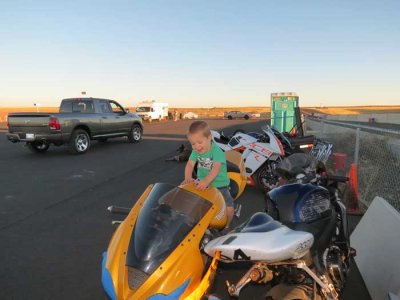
x,y
122,121
107,117
81,111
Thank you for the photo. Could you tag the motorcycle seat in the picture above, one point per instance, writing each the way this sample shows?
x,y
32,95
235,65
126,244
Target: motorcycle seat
x,y
261,239
261,222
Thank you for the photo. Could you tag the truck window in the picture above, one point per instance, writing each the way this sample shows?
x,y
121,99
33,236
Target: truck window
x,y
143,109
66,107
105,106
116,108
83,106
77,105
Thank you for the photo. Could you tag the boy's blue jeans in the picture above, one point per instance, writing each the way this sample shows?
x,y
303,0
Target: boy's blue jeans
x,y
227,196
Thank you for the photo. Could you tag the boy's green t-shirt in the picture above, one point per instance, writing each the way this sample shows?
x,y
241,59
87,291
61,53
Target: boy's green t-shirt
x,y
205,164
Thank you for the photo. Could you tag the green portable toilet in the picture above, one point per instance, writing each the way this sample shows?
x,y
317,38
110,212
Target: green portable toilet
x,y
283,117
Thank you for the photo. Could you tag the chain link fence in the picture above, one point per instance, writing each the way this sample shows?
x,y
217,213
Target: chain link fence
x,y
375,151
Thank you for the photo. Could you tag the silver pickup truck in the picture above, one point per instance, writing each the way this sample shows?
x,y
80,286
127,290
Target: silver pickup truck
x,y
79,121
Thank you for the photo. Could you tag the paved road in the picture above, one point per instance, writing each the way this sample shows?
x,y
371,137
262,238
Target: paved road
x,y
54,225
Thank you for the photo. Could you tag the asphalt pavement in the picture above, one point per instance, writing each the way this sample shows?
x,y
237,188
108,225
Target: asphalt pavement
x,y
54,225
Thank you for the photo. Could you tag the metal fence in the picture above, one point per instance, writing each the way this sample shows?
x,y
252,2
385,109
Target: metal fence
x,y
375,151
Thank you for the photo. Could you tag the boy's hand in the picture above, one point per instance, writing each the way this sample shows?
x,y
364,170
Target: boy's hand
x,y
188,180
201,185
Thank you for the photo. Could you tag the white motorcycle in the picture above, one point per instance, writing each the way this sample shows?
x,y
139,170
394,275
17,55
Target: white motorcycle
x,y
261,153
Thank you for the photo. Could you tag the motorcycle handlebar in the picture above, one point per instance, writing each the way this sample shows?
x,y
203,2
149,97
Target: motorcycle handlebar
x,y
118,210
335,178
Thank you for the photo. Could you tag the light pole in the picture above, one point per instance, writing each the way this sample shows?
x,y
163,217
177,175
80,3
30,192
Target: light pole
x,y
37,106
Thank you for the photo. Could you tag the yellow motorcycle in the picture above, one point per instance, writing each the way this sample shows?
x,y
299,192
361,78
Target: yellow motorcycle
x,y
157,250
236,173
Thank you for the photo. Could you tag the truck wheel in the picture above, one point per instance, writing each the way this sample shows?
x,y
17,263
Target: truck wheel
x,y
229,117
80,142
135,135
246,117
38,147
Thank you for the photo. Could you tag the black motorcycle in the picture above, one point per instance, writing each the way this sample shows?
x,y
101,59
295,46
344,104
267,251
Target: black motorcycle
x,y
309,200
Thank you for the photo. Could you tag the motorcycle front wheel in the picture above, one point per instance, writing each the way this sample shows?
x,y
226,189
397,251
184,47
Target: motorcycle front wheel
x,y
265,176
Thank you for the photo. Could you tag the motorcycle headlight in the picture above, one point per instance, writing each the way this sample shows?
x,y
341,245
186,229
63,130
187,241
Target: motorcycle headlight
x,y
317,205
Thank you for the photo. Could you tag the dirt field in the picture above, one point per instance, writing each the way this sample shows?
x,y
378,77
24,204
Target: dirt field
x,y
351,110
219,111
5,110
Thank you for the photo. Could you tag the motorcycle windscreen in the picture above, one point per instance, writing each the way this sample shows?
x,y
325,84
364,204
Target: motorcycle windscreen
x,y
294,164
169,213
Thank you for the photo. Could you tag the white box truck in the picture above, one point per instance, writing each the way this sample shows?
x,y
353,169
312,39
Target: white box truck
x,y
151,110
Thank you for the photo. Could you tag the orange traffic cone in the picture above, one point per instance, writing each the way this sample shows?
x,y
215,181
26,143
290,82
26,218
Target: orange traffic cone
x,y
351,193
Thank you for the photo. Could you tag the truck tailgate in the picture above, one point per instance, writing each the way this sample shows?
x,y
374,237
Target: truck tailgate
x,y
29,123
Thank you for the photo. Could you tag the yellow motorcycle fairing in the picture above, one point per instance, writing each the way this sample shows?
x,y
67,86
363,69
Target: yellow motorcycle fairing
x,y
236,173
182,270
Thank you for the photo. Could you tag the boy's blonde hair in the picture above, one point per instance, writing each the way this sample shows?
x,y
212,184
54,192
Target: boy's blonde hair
x,y
197,126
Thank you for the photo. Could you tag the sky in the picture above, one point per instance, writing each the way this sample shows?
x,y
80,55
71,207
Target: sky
x,y
193,53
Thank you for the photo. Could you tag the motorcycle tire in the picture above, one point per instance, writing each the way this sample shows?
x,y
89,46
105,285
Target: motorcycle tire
x,y
264,177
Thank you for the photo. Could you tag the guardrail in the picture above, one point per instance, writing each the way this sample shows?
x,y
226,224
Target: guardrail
x,y
375,151
368,128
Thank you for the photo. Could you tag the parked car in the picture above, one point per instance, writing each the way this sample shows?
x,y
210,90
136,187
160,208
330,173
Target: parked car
x,y
235,114
190,115
79,121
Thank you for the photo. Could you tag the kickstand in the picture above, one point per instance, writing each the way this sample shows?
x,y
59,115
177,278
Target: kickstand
x,y
237,210
314,290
